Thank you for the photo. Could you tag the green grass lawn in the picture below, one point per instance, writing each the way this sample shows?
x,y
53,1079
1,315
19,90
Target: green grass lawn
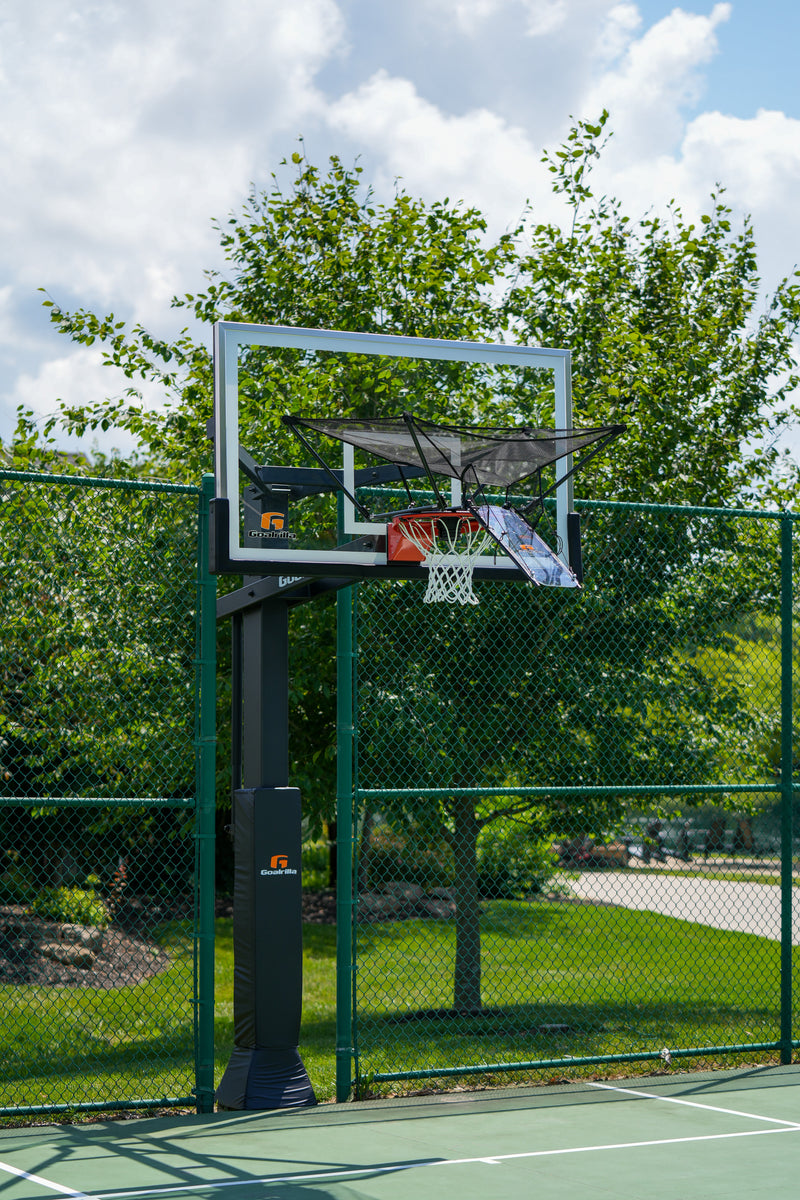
x,y
611,981
607,981
620,981
66,1045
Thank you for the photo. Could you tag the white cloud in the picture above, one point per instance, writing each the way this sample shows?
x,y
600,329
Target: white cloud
x,y
759,158
616,32
10,331
469,15
538,18
757,162
477,157
654,79
545,16
126,127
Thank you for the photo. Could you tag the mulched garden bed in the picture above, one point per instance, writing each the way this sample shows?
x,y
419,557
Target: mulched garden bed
x,y
126,956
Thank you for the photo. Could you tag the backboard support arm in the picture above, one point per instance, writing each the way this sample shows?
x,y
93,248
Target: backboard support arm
x,y
338,483
576,466
409,420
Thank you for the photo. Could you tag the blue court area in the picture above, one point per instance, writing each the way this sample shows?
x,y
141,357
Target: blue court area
x,y
723,1135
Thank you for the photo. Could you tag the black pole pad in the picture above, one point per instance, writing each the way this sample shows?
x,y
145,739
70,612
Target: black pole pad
x,y
262,1079
265,1070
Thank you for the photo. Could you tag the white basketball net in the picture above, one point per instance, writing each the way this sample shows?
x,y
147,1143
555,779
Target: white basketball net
x,y
450,552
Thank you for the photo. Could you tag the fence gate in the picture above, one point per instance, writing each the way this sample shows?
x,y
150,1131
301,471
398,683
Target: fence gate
x,y
574,828
104,932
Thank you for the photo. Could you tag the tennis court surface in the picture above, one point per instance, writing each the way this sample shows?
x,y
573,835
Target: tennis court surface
x,y
683,1137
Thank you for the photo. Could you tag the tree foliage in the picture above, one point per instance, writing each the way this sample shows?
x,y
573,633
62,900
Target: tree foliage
x,y
665,323
663,318
97,681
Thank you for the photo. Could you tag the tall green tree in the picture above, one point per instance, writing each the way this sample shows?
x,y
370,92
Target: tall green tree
x,y
662,317
666,321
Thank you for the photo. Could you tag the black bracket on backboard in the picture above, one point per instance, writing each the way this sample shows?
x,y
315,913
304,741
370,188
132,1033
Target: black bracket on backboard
x,y
311,481
574,545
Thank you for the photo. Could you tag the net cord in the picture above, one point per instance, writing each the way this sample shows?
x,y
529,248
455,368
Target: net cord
x,y
449,555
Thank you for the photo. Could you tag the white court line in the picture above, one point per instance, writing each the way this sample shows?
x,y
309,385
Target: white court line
x,y
45,1183
731,1112
495,1159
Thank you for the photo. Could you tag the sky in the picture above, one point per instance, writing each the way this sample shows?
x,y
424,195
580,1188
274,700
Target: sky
x,y
128,127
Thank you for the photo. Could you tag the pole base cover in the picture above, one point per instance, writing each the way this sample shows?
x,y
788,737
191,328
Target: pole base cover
x,y
262,1079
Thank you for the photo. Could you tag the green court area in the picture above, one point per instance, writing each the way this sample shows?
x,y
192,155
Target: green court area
x,y
726,1135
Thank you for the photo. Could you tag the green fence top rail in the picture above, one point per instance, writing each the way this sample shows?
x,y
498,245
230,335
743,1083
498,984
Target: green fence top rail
x,y
97,801
88,481
686,510
192,490
610,789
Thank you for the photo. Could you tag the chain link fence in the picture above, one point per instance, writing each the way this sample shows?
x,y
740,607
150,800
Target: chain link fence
x,y
98,790
573,840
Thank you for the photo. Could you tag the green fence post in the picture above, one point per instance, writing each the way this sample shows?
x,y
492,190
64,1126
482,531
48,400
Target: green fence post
x,y
206,806
787,790
344,841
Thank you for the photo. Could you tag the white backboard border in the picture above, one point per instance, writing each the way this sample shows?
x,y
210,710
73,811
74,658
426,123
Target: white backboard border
x,y
230,336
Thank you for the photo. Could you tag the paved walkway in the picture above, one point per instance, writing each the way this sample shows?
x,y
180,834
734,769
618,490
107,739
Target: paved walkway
x,y
744,907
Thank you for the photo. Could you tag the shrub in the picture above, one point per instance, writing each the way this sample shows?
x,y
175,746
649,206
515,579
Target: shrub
x,y
16,881
512,862
316,864
72,906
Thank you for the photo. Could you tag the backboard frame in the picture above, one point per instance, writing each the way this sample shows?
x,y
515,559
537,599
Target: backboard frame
x,y
230,556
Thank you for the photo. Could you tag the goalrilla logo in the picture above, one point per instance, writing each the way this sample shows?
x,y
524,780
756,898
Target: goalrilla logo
x,y
273,525
272,520
279,865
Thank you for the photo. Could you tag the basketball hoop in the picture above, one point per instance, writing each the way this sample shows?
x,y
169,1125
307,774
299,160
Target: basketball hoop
x,y
448,544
